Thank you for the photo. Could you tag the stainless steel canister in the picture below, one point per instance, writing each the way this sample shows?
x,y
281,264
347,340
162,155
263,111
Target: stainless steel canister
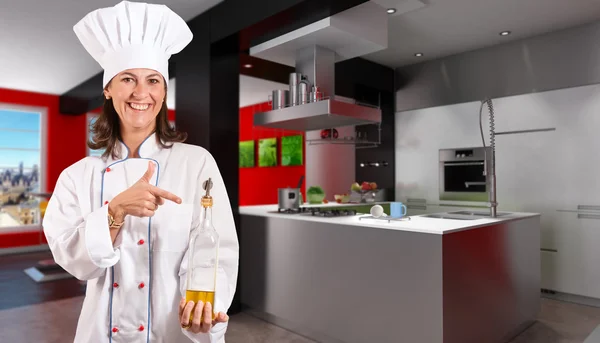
x,y
303,92
280,99
294,81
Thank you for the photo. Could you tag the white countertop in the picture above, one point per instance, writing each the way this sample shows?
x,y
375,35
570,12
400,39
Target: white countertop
x,y
415,224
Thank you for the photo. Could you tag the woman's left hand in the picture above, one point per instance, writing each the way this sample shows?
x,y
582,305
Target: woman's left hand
x,y
201,311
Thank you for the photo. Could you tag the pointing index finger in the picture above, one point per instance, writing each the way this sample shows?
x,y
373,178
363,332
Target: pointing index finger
x,y
164,194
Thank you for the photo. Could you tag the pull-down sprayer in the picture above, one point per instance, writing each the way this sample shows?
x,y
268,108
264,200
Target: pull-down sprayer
x,y
490,172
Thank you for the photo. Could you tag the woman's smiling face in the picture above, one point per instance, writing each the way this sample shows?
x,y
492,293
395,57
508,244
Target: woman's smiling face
x,y
137,96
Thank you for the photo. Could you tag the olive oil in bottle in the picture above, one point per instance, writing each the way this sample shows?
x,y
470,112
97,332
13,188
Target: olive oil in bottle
x,y
196,296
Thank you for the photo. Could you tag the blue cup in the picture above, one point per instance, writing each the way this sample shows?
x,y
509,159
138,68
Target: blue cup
x,y
397,209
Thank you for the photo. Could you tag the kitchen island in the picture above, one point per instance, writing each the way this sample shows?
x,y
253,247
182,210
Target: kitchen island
x,y
429,279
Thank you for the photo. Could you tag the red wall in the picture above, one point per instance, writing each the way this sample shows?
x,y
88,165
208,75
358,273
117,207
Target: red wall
x,y
259,185
65,145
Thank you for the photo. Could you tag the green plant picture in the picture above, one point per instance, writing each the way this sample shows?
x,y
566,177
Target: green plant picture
x,y
246,154
291,150
267,152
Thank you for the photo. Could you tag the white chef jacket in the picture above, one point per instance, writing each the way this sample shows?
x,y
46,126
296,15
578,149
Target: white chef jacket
x,y
134,286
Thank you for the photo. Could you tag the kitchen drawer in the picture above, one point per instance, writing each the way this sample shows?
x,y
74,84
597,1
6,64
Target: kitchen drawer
x,y
570,256
590,241
566,271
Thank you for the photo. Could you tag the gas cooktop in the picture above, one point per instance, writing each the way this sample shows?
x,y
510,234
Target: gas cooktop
x,y
319,212
292,210
333,213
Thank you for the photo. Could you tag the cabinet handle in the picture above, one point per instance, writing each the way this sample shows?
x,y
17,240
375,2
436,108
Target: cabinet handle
x,y
549,250
525,131
582,208
459,206
588,208
460,164
587,216
416,207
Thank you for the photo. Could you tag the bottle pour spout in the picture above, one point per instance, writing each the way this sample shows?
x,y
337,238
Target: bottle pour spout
x,y
207,200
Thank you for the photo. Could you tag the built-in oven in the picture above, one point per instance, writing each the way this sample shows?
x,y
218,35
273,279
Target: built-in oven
x,y
463,174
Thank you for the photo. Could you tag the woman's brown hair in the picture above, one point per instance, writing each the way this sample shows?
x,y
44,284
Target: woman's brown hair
x,y
107,131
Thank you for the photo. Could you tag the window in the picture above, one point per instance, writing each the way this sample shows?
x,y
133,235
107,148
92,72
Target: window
x,y
91,119
22,166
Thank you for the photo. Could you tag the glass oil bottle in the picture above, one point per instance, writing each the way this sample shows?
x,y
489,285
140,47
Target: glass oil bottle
x,y
203,252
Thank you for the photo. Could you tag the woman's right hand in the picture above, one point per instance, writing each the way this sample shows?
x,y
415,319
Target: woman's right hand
x,y
140,200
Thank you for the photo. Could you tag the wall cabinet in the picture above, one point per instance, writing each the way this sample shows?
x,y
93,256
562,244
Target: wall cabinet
x,y
545,172
576,181
419,137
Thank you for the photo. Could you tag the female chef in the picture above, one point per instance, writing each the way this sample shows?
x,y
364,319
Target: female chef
x,y
122,222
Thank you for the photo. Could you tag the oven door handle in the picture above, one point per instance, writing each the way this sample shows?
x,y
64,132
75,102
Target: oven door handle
x,y
474,183
460,164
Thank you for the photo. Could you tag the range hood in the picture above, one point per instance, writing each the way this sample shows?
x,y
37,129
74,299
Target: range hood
x,y
324,114
313,50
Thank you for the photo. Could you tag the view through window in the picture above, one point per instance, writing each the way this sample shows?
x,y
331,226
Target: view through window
x,y
20,167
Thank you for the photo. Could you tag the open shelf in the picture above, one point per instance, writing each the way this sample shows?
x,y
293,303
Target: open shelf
x,y
360,143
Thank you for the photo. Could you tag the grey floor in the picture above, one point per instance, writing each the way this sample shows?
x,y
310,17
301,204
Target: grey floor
x,y
55,321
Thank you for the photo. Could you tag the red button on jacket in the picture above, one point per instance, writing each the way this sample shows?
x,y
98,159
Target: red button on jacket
x,y
141,328
140,242
115,285
141,285
107,169
115,330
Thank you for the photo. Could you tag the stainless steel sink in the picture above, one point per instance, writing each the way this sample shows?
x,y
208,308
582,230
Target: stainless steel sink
x,y
478,213
449,216
463,215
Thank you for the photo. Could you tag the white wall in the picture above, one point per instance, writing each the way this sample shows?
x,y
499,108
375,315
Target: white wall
x,y
252,91
543,172
255,91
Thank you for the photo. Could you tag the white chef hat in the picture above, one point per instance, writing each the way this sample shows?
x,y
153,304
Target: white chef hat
x,y
133,35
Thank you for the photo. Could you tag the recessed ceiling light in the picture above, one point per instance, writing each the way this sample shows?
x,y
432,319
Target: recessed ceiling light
x,y
504,33
391,10
247,65
419,54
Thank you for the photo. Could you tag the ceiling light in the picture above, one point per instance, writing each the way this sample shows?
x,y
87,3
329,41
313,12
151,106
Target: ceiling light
x,y
419,54
247,65
391,10
504,33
